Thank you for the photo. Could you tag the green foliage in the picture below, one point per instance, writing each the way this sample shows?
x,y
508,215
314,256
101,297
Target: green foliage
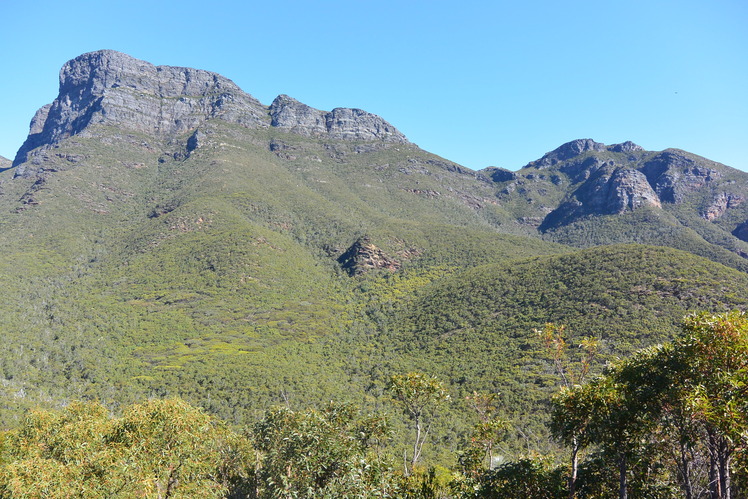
x,y
134,270
327,453
525,478
420,395
157,449
669,410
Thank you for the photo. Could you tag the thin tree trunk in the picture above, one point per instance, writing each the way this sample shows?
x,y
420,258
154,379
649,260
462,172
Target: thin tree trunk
x,y
574,469
685,465
715,491
724,470
622,486
416,446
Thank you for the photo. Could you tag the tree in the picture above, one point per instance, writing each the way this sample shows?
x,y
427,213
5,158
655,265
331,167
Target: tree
x,y
491,428
674,402
572,374
420,395
715,352
320,453
162,448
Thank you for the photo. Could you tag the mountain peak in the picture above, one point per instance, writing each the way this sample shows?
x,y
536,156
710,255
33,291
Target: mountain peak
x,y
580,146
107,87
340,123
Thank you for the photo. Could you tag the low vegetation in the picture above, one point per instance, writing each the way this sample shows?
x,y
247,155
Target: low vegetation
x,y
669,421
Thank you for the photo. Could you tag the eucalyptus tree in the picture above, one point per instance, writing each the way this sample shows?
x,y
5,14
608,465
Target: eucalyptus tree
x,y
684,403
573,372
420,396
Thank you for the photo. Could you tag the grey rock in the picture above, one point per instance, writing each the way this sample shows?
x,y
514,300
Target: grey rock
x,y
674,175
610,191
111,88
581,169
196,140
578,147
290,114
340,123
567,151
5,163
616,192
363,256
356,124
627,146
498,174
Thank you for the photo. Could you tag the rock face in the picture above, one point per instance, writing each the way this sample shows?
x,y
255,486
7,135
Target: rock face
x,y
497,174
609,191
627,190
613,179
111,88
580,146
720,204
673,175
340,123
364,256
5,163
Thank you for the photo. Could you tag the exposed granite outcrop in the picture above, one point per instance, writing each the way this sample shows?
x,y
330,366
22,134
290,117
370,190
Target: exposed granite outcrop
x,y
580,169
627,146
578,147
340,123
623,177
673,175
722,202
497,174
611,190
110,88
363,256
290,114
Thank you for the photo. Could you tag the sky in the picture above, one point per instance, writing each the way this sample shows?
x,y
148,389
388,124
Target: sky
x,y
481,83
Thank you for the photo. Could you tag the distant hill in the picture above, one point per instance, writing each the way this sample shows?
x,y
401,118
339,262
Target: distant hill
x,y
477,328
163,232
585,193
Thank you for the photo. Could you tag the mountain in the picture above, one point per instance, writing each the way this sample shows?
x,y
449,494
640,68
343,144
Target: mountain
x,y
159,221
165,233
585,193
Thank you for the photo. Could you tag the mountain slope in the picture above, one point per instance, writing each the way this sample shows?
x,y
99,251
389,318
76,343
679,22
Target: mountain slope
x,y
163,233
585,193
477,328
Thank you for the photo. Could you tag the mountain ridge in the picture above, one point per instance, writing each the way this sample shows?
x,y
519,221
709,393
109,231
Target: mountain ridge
x,y
169,110
109,87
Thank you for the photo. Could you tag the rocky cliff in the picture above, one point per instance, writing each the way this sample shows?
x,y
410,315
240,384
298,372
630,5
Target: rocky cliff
x,y
363,256
111,88
599,179
340,123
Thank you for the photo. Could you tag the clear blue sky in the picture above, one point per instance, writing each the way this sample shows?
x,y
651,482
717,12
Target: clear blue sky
x,y
480,83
